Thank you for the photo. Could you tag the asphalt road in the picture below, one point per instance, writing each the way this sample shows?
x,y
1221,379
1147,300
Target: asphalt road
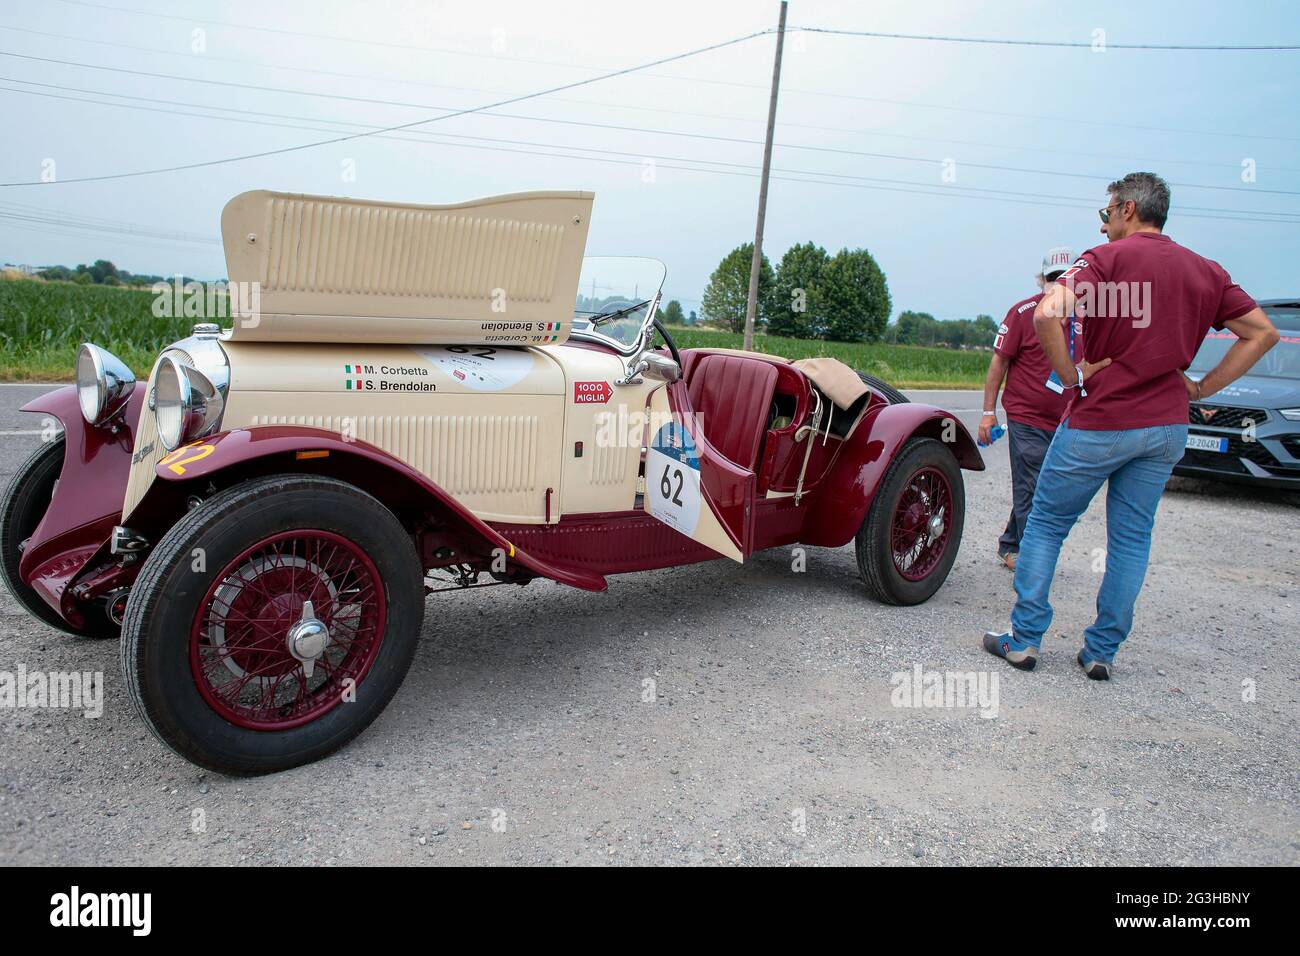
x,y
521,734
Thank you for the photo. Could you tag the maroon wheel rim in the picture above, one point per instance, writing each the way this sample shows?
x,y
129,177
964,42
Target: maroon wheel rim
x,y
922,524
240,644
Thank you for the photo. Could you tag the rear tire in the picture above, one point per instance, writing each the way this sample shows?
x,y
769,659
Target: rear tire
x,y
25,502
892,395
268,546
903,557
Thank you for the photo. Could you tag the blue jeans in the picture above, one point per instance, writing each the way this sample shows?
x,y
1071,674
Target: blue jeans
x,y
1137,463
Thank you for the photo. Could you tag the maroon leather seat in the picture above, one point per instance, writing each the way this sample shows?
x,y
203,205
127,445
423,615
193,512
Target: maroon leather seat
x,y
733,397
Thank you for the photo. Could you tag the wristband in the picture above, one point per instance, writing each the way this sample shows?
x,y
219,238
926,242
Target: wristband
x,y
993,414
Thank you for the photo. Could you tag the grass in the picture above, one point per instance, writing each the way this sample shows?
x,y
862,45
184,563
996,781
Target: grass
x,y
904,366
42,324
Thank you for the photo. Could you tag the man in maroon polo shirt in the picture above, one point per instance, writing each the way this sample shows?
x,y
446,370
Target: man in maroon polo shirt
x,y
1033,405
1146,304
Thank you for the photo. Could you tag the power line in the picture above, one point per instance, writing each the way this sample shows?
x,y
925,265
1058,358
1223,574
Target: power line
x,y
605,104
407,104
1018,197
451,111
77,233
998,41
78,218
130,233
690,79
515,99
1060,44
333,37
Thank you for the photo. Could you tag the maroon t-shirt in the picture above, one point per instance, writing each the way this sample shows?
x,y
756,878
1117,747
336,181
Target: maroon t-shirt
x,y
1146,303
1027,399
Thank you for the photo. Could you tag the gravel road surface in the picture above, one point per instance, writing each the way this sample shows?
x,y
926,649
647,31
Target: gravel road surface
x,y
523,733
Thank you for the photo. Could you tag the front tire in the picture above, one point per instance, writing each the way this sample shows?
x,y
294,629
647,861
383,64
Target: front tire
x,y
25,502
909,539
209,652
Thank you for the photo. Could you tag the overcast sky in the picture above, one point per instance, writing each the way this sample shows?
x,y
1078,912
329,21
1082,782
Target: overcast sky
x,y
311,70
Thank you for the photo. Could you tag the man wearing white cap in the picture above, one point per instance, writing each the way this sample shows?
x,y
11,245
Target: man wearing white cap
x,y
1034,399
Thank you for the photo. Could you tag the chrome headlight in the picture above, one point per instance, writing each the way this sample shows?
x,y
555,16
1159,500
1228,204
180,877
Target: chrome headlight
x,y
1292,414
104,383
186,403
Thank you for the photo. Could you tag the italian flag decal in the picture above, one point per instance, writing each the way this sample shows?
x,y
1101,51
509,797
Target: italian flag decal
x,y
552,328
354,382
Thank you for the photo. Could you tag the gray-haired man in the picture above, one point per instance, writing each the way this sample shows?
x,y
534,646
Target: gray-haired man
x,y
1146,304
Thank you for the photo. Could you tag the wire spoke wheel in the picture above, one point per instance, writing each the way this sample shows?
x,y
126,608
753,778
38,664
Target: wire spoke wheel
x,y
922,523
908,541
243,655
299,629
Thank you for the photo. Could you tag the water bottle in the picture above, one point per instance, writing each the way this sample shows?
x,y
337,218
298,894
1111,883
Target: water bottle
x,y
996,432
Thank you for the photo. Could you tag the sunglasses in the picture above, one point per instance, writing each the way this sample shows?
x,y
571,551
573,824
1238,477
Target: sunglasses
x,y
1105,213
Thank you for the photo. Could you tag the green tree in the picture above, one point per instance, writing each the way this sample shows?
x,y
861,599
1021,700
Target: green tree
x,y
796,296
672,314
727,293
921,328
984,329
102,269
855,297
913,327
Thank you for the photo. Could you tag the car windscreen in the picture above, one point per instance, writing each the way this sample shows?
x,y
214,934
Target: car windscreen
x,y
615,294
1281,361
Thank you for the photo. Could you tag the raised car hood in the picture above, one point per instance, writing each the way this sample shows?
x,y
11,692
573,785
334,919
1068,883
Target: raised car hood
x,y
502,270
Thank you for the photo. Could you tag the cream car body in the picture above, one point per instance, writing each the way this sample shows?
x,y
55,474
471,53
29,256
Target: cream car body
x,y
411,399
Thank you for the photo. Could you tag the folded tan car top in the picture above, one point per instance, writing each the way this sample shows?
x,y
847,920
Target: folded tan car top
x,y
498,270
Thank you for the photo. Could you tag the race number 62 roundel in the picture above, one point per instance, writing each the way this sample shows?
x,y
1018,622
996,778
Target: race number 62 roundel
x,y
672,478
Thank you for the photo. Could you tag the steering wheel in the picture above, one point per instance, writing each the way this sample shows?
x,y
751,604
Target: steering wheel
x,y
611,307
668,341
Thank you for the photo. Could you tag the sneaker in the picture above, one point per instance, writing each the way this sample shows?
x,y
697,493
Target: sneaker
x,y
1009,559
1096,670
1016,653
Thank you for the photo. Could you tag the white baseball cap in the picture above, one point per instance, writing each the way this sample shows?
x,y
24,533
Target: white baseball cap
x,y
1058,259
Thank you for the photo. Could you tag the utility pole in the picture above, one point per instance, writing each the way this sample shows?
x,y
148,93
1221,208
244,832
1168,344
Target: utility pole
x,y
751,306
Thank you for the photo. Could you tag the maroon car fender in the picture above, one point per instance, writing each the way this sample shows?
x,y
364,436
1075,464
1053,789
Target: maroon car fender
x,y
87,500
840,503
306,448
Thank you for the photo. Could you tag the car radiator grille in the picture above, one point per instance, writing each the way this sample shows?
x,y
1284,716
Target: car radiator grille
x,y
1213,461
1225,416
146,453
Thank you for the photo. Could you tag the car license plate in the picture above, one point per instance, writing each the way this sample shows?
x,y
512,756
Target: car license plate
x,y
1207,443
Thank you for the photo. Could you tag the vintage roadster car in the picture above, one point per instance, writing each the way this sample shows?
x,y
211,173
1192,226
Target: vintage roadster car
x,y
428,398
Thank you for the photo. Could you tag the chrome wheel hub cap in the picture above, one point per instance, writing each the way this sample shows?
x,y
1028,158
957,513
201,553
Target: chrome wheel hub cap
x,y
308,638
